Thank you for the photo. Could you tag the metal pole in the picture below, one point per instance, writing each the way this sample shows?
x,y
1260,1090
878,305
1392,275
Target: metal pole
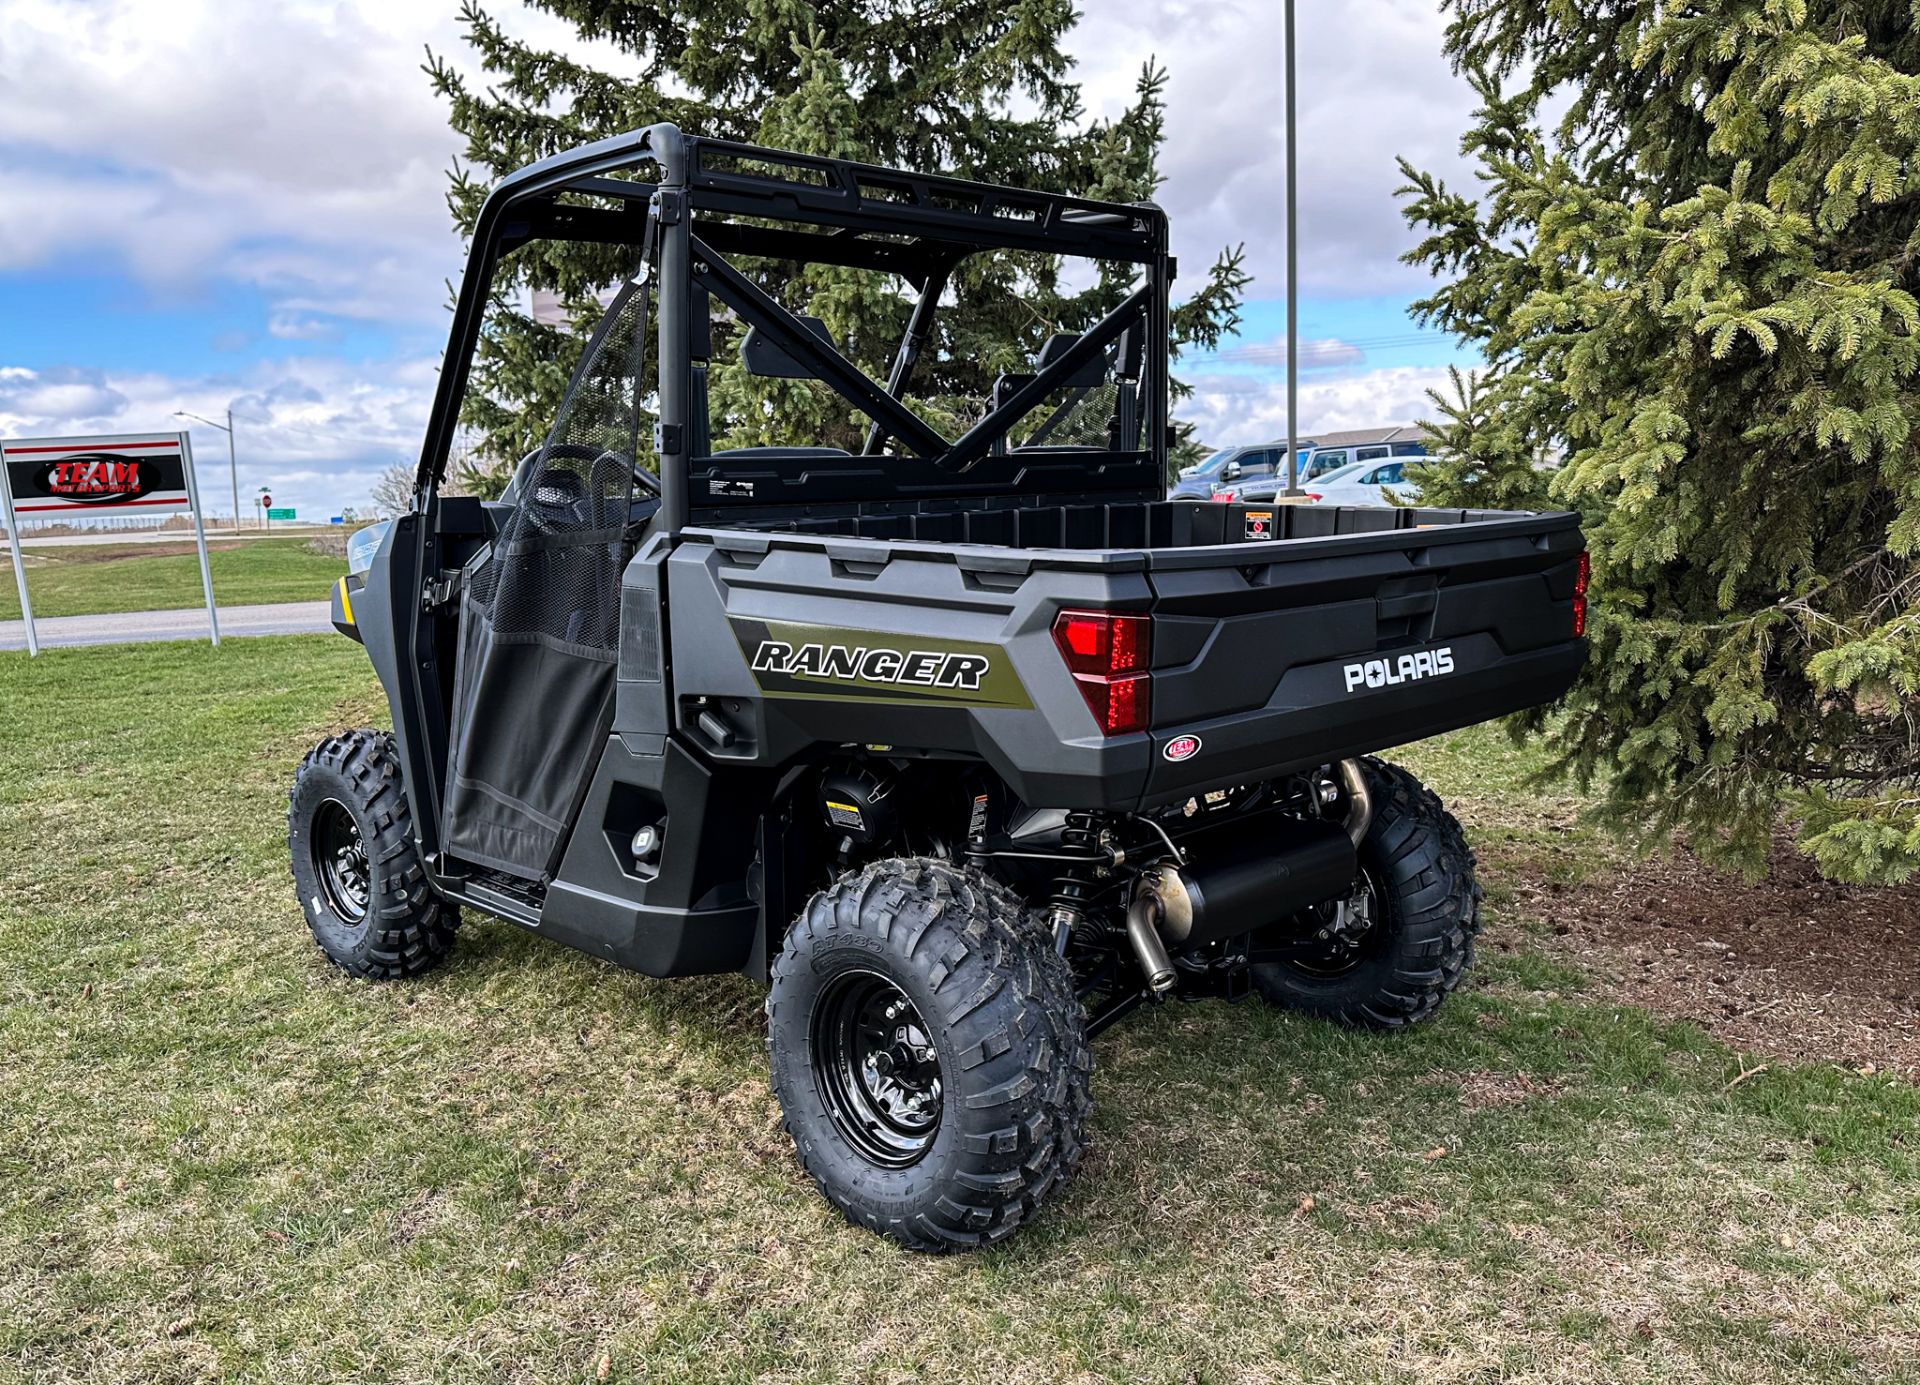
x,y
233,473
1293,277
199,535
19,567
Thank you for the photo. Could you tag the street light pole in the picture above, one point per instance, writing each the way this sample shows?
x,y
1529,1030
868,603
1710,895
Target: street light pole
x,y
1293,277
233,472
233,466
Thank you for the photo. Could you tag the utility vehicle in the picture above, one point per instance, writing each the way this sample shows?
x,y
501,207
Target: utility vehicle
x,y
960,735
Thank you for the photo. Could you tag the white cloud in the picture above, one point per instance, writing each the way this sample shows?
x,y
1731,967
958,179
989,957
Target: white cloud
x,y
292,326
1239,408
1316,353
1373,84
63,393
297,147
183,137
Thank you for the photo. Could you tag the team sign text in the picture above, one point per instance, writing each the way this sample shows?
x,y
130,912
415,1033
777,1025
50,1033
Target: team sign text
x,y
1384,673
94,475
917,668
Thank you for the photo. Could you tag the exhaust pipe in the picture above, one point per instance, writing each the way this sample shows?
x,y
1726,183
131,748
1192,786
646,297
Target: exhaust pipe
x,y
1143,931
1359,801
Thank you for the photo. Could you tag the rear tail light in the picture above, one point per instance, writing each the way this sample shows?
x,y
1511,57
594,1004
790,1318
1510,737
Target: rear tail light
x,y
1108,654
1224,497
1311,496
1581,579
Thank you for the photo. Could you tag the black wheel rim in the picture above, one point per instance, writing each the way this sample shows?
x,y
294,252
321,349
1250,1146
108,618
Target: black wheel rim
x,y
877,1069
1343,954
340,861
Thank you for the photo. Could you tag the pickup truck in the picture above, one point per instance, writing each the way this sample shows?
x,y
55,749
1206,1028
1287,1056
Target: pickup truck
x,y
965,739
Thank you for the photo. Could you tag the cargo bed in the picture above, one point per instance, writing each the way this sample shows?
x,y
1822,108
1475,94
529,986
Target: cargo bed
x,y
1353,630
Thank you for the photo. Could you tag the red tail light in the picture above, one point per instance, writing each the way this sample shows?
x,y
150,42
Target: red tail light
x,y
1108,654
1224,497
1581,579
1311,495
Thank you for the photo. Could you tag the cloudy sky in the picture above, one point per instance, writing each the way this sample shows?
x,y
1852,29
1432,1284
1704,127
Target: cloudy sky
x,y
207,206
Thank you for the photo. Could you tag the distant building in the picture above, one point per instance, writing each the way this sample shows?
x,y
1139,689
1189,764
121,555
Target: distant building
x,y
1362,437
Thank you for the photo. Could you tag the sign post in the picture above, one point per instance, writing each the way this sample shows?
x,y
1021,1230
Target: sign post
x,y
103,476
19,564
200,536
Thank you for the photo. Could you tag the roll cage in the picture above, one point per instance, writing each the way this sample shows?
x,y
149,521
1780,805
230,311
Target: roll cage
x,y
715,198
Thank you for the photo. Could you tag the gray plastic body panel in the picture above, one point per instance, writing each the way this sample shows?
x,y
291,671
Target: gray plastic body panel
x,y
1254,644
894,593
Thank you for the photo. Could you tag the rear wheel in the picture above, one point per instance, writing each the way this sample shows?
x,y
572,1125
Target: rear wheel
x,y
1403,938
358,874
930,1059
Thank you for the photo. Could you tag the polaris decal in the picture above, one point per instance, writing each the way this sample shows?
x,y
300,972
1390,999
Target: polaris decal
x,y
1404,668
818,661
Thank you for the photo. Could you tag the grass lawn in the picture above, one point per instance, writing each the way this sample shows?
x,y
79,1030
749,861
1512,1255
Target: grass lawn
x,y
92,579
224,1160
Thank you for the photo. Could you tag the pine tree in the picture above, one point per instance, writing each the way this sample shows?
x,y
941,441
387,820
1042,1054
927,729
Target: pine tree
x,y
1696,289
971,88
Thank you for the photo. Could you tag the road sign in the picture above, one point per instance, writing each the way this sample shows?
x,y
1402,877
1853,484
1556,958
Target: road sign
x,y
286,513
69,478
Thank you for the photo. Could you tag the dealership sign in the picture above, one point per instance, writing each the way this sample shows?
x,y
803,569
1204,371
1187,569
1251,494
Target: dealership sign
x,y
123,476
72,477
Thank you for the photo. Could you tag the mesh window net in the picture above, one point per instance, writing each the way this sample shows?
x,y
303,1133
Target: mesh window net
x,y
540,618
1102,415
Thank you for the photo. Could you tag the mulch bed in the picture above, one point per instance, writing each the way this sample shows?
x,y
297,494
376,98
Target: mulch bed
x,y
1794,967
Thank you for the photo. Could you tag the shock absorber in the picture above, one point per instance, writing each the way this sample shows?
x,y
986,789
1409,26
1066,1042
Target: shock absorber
x,y
1067,905
1066,909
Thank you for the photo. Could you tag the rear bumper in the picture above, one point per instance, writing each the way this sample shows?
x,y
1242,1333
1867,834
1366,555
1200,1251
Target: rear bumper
x,y
1313,717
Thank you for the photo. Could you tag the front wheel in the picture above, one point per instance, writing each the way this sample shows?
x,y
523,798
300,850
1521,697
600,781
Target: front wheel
x,y
1403,939
355,866
929,1054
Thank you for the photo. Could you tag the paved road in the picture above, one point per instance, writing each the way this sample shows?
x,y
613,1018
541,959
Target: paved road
x,y
107,536
136,627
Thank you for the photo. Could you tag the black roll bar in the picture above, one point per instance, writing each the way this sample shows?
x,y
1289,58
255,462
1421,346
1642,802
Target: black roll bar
x,y
845,378
973,444
916,225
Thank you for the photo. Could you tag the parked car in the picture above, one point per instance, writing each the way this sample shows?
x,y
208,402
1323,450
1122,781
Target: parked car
x,y
1230,465
1329,459
1356,483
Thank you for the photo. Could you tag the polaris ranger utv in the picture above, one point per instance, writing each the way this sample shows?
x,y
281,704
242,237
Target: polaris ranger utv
x,y
968,741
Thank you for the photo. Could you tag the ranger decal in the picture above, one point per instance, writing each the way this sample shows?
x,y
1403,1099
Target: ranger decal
x,y
925,668
823,661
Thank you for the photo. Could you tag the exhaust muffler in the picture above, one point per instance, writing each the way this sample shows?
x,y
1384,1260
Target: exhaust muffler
x,y
1246,875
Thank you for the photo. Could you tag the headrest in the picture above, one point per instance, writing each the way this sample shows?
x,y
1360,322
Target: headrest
x,y
1094,372
762,356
